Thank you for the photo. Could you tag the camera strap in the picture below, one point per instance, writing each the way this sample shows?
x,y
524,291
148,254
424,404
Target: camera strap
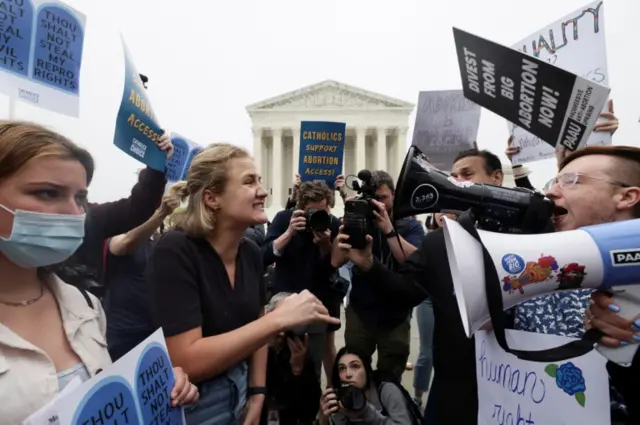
x,y
496,312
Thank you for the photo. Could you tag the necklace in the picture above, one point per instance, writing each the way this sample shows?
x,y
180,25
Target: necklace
x,y
25,302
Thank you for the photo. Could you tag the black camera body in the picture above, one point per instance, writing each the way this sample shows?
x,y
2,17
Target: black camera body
x,y
350,397
358,213
317,220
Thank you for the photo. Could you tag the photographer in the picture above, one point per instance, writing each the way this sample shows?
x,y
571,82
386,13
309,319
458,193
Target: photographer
x,y
364,396
371,322
299,243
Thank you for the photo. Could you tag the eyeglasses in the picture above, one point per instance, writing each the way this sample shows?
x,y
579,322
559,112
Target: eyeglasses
x,y
568,180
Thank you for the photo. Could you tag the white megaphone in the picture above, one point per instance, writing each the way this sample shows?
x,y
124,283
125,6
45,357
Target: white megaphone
x,y
604,256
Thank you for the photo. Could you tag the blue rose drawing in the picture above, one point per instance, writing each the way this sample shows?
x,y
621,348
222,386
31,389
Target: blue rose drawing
x,y
569,379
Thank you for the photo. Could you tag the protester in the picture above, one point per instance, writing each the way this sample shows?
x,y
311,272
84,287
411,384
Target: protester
x,y
51,332
208,292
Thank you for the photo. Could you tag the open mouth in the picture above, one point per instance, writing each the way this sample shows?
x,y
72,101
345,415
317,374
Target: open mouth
x,y
559,211
259,206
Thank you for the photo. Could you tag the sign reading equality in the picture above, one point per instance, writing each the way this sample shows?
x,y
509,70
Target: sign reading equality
x,y
557,106
41,44
321,151
137,130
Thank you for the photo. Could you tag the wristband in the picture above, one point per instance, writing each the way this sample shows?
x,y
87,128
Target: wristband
x,y
256,390
391,234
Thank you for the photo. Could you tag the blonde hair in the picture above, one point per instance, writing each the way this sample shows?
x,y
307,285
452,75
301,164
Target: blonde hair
x,y
208,171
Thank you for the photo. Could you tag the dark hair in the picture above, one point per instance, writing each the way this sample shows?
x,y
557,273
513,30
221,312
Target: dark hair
x,y
380,178
491,161
366,363
311,192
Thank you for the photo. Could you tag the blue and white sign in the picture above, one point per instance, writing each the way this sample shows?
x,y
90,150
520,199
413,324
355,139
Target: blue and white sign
x,y
321,151
137,129
184,150
136,390
41,44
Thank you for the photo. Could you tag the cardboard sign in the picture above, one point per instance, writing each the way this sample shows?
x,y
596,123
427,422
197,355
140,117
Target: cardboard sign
x,y
446,124
135,390
519,392
555,105
184,150
575,43
321,151
41,48
137,129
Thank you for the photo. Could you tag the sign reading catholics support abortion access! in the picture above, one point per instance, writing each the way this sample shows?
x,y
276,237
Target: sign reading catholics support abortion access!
x,y
575,43
321,151
135,390
41,44
184,150
557,106
137,130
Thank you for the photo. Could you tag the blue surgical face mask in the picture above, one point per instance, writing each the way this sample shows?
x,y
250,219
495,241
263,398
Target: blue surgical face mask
x,y
40,239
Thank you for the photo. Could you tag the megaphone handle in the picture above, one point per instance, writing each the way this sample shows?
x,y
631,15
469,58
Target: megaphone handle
x,y
628,299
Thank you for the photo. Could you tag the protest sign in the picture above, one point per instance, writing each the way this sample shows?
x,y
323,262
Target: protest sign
x,y
184,150
446,124
48,415
519,392
321,151
136,390
553,104
41,43
137,130
575,43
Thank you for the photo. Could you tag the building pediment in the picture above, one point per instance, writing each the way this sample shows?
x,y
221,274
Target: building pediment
x,y
329,95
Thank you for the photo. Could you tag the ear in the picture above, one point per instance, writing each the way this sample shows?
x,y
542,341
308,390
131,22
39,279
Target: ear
x,y
628,198
210,200
498,177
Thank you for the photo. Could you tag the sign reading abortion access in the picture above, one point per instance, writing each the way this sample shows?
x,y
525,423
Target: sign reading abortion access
x,y
519,392
557,106
41,43
446,124
321,151
575,43
184,150
136,390
137,130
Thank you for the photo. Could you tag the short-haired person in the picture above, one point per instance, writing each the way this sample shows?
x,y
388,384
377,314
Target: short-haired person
x,y
302,258
372,323
208,291
426,274
50,332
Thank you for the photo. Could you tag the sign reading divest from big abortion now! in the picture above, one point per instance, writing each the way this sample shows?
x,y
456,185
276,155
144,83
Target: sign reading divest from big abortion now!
x,y
553,104
41,43
137,130
575,43
136,390
321,151
518,392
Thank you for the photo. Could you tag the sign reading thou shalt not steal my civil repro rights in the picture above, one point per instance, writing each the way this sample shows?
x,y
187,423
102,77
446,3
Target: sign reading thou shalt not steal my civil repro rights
x,y
553,104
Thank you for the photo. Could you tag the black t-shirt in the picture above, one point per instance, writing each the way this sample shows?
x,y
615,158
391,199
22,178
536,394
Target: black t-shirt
x,y
426,273
127,300
191,288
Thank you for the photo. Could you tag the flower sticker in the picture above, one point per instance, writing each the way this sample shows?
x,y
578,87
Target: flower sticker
x,y
569,379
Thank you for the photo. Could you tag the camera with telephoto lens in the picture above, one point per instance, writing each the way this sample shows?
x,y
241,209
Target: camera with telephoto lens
x,y
317,220
350,397
358,213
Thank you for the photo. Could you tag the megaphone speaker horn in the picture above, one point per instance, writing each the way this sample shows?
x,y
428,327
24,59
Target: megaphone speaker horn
x,y
604,257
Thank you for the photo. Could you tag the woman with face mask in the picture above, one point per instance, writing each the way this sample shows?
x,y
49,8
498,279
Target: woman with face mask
x,y
364,396
50,332
208,289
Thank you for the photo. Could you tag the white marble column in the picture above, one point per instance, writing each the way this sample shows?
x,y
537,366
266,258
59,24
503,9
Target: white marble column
x,y
401,149
296,150
276,168
361,147
381,149
258,148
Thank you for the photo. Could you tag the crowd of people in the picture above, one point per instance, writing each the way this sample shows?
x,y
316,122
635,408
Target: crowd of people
x,y
249,307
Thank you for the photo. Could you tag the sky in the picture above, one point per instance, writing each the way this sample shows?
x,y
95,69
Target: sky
x,y
208,60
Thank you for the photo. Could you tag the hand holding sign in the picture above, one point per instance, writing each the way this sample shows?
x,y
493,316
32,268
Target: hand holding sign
x,y
610,123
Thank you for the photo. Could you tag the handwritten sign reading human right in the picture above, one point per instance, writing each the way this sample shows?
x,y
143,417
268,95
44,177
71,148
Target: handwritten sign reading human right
x,y
555,105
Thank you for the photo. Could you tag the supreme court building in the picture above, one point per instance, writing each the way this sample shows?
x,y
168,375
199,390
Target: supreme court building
x,y
377,134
